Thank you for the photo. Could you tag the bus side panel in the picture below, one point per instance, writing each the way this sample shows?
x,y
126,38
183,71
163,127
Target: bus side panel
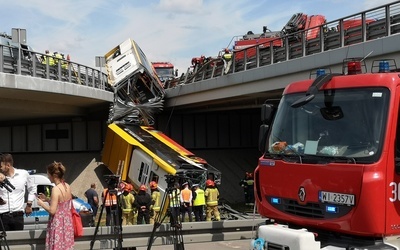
x,y
116,151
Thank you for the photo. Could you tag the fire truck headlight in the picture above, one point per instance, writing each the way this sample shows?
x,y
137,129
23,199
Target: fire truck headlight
x,y
332,209
275,200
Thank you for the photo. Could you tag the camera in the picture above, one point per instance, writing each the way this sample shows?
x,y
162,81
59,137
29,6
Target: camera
x,y
112,181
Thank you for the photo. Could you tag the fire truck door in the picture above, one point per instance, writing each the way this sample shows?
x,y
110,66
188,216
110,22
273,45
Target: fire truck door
x,y
393,171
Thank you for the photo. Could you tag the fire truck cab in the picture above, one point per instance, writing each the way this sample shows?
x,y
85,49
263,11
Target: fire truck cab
x,y
329,176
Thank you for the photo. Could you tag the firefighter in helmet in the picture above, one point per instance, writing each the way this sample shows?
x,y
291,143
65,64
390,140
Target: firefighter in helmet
x,y
247,183
212,196
155,201
126,200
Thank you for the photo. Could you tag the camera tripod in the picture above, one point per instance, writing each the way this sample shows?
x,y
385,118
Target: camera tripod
x,y
3,237
114,219
170,206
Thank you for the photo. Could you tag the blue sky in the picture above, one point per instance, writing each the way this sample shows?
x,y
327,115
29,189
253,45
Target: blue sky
x,y
166,30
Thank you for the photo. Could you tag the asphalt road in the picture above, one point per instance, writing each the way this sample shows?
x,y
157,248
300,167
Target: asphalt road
x,y
220,245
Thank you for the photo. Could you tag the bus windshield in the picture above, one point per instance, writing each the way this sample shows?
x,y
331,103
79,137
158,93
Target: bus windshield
x,y
336,123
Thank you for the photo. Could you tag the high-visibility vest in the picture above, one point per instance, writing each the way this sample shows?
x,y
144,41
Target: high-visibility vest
x,y
174,198
227,56
211,195
186,195
250,182
155,196
200,199
48,59
110,199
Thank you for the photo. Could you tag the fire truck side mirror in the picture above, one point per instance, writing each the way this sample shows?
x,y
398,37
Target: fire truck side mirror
x,y
267,112
262,137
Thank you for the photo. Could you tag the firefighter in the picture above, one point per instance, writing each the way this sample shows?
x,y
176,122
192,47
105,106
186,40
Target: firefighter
x,y
227,57
248,188
186,201
198,202
127,200
212,195
143,203
155,204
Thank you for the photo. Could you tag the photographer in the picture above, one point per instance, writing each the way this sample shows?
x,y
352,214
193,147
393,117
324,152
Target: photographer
x,y
12,192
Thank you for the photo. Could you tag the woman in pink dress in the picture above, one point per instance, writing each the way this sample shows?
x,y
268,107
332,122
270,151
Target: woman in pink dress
x,y
60,231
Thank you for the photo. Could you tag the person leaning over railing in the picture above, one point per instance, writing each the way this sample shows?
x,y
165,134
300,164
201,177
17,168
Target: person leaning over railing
x,y
48,59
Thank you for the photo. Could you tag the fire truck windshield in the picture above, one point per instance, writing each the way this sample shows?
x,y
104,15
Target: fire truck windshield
x,y
337,123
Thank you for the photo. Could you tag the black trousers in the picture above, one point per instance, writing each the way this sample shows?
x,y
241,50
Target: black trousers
x,y
12,221
143,215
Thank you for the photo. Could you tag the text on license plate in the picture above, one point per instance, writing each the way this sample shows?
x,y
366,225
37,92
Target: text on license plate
x,y
337,198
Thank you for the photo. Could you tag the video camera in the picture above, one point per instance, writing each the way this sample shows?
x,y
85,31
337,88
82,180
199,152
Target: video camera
x,y
112,181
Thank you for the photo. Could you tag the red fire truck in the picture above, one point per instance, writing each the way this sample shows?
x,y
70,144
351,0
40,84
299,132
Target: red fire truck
x,y
296,23
329,176
165,71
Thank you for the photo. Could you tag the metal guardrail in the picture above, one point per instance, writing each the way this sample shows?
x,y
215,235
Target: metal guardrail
x,y
372,24
138,235
31,63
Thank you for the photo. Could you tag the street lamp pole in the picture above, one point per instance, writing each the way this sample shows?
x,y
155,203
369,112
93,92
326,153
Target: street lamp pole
x,y
19,37
100,61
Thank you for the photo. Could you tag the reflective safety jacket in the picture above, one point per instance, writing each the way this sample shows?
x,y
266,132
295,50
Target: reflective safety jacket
x,y
174,198
155,196
227,56
200,200
110,199
212,195
186,196
127,201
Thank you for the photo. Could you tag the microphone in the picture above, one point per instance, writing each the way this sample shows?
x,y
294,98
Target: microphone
x,y
5,183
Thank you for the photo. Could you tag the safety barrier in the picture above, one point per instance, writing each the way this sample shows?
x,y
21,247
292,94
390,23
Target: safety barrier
x,y
372,24
30,63
138,235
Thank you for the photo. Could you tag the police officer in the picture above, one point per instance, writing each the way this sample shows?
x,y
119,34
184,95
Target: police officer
x,y
199,201
186,201
175,205
212,196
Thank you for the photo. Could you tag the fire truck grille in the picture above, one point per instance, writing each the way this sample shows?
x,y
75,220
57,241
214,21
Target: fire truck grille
x,y
310,210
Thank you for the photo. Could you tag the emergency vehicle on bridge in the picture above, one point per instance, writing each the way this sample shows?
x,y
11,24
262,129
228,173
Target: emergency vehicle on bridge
x,y
329,176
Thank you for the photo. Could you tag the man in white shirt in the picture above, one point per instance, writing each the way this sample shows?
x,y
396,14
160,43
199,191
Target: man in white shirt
x,y
13,182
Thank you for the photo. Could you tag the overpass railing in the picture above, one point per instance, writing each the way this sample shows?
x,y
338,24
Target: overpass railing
x,y
35,64
375,23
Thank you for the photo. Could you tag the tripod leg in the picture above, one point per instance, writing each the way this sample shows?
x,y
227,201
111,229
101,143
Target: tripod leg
x,y
98,222
160,217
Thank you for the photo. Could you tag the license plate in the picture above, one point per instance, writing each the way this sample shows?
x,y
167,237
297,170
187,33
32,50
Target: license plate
x,y
337,198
